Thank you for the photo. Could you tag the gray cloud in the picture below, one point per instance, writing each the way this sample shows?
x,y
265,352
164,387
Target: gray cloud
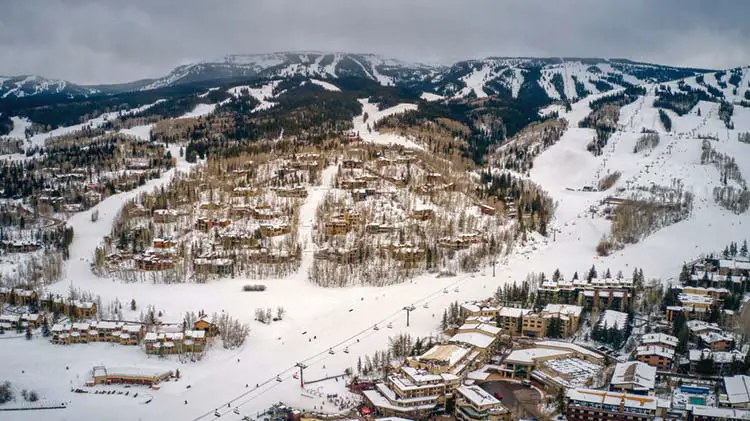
x,y
98,41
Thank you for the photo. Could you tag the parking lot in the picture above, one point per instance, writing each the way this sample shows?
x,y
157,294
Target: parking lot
x,y
522,400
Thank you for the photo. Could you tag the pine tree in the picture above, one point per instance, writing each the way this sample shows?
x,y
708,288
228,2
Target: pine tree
x,y
556,276
608,275
444,322
592,273
359,365
684,275
575,276
28,332
132,304
743,249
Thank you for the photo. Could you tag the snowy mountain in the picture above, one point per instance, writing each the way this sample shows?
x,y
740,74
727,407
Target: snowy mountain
x,y
25,86
556,78
559,78
314,64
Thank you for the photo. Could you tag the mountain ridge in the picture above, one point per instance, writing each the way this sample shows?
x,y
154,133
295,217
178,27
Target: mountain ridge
x,y
443,79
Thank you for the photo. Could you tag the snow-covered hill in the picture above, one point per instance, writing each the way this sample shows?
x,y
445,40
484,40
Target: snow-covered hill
x,y
25,86
312,64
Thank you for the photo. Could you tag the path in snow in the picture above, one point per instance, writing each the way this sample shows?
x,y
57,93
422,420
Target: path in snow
x,y
307,217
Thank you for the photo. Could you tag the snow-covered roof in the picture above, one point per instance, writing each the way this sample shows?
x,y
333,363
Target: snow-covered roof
x,y
570,347
640,375
721,357
655,350
107,325
11,318
563,309
476,307
513,312
479,340
478,396
697,326
712,412
131,328
627,400
695,299
659,338
712,337
530,355
573,367
447,353
482,328
738,389
419,378
478,319
131,371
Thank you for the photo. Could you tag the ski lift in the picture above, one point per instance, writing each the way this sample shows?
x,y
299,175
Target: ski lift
x,y
236,410
217,414
295,375
376,327
330,351
346,350
456,290
426,305
390,325
445,291
278,379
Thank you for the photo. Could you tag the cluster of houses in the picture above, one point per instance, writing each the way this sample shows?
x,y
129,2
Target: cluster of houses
x,y
34,302
135,159
699,376
231,234
161,339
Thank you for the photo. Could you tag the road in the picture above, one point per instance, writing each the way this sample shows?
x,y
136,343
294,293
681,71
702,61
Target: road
x,y
523,401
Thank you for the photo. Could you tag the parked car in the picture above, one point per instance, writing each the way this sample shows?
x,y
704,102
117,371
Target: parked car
x,y
499,396
525,383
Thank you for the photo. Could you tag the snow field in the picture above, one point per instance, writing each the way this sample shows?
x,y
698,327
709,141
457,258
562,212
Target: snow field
x,y
325,85
375,115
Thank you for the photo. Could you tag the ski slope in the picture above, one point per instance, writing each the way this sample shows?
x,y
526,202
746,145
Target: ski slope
x,y
368,134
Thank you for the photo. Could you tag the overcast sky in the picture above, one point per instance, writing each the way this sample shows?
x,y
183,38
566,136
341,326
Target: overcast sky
x,y
99,41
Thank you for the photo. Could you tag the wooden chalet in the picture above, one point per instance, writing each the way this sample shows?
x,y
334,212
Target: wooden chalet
x,y
274,230
296,191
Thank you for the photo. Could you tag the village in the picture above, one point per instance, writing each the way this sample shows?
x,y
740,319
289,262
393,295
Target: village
x,y
589,346
375,207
